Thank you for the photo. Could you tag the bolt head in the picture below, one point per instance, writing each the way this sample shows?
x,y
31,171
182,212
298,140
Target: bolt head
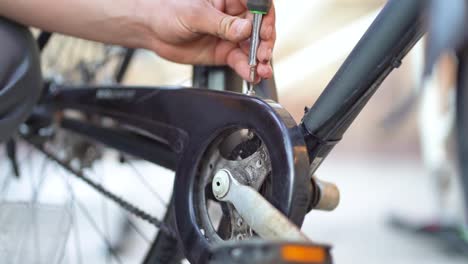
x,y
221,184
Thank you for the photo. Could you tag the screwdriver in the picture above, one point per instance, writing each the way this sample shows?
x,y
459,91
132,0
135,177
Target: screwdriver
x,y
258,8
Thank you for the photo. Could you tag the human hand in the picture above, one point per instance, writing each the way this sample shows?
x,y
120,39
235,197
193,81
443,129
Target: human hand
x,y
214,32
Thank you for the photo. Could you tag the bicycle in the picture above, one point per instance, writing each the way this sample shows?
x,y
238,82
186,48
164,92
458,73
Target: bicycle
x,y
255,139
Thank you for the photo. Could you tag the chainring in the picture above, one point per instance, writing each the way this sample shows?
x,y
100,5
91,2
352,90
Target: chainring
x,y
243,153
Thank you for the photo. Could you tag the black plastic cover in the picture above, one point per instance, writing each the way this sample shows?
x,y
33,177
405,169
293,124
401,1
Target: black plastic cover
x,y
20,76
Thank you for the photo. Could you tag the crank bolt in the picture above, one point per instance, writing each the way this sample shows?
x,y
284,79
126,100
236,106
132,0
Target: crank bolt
x,y
221,184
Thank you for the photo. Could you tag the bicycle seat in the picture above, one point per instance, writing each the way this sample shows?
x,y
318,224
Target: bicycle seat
x,y
20,76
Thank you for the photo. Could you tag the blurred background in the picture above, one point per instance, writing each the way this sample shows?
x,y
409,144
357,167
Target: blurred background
x,y
378,169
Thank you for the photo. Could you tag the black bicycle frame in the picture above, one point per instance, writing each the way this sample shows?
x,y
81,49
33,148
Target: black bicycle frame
x,y
391,36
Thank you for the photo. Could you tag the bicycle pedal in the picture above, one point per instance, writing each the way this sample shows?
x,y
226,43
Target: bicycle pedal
x,y
267,252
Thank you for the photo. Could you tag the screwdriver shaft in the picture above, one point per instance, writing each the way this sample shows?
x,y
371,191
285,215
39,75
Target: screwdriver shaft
x,y
254,43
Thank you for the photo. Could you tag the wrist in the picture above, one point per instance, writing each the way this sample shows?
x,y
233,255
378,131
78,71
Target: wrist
x,y
131,21
143,11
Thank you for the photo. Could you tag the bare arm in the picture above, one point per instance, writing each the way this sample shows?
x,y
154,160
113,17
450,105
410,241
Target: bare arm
x,y
109,21
184,31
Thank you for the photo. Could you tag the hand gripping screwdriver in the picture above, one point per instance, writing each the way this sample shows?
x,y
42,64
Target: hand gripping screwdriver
x,y
258,8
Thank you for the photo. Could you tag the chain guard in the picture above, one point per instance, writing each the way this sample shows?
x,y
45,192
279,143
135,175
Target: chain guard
x,y
188,120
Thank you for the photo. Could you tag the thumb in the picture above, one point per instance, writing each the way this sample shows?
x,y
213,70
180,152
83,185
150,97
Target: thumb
x,y
217,23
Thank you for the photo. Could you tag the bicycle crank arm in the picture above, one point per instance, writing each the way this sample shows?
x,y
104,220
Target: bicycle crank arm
x,y
267,221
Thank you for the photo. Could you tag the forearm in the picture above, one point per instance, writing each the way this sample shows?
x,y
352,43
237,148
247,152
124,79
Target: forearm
x,y
119,22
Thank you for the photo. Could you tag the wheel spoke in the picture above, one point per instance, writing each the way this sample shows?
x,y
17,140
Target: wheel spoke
x,y
72,209
33,203
105,219
145,183
138,230
92,221
39,184
76,232
130,222
36,231
5,185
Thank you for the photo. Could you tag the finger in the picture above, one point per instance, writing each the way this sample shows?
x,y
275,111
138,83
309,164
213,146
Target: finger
x,y
268,23
217,23
265,71
265,51
235,7
239,62
245,46
219,4
268,36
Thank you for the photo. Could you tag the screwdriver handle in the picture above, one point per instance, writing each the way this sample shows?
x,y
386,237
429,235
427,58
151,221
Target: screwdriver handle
x,y
259,6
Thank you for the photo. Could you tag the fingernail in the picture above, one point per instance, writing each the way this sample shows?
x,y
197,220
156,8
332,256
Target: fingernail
x,y
268,56
241,26
268,71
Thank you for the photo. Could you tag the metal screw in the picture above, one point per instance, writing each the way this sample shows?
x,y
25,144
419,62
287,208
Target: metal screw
x,y
259,163
178,146
250,134
221,184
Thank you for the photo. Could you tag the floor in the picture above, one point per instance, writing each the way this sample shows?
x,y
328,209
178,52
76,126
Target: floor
x,y
372,191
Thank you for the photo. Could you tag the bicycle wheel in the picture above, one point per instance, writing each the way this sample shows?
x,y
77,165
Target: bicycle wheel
x,y
74,61
111,63
102,229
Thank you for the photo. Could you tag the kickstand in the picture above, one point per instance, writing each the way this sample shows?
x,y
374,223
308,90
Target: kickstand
x,y
11,153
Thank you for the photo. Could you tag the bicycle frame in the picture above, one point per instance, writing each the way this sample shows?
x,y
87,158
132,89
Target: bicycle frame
x,y
391,36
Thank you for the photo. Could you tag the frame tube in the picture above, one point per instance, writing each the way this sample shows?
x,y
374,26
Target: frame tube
x,y
390,37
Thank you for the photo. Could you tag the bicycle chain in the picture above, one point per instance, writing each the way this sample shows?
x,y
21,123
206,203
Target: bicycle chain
x,y
125,205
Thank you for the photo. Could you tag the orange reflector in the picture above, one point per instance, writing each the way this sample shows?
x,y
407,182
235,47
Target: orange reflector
x,y
303,254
